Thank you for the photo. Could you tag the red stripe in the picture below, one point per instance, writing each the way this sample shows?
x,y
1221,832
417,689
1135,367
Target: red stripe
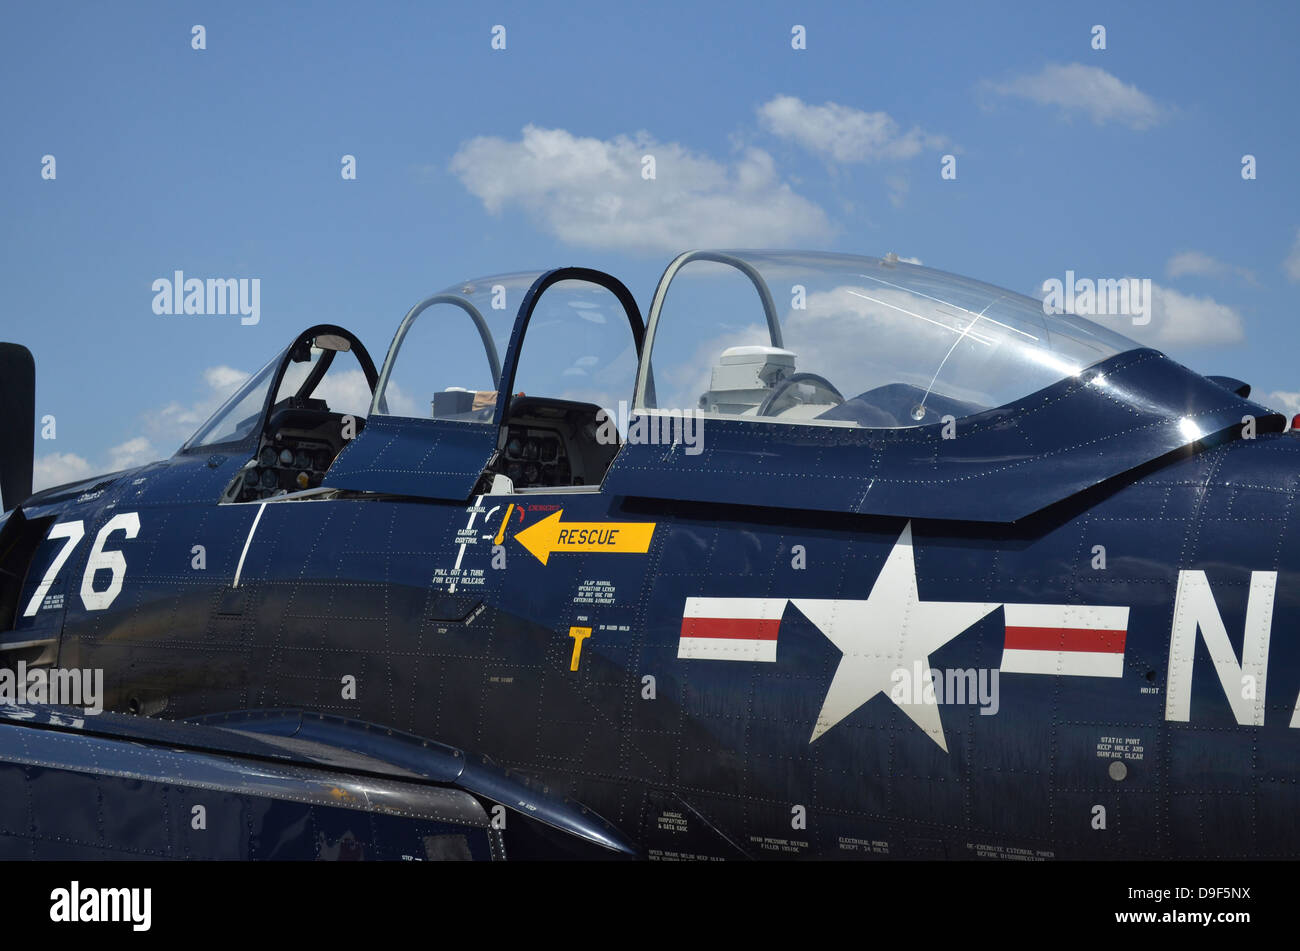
x,y
739,628
1065,639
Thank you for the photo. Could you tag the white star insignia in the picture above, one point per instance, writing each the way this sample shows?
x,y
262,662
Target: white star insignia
x,y
891,630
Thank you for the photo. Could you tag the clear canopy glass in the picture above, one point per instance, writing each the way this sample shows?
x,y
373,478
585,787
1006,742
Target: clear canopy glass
x,y
445,361
238,417
845,340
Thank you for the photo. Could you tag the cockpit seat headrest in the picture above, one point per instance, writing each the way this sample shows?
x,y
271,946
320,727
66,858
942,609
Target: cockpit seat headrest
x,y
743,376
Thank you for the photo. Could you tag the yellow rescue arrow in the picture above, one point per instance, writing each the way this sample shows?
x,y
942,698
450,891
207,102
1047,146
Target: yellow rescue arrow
x,y
550,535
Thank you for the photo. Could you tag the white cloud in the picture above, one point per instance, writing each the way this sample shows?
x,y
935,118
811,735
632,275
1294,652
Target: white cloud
x,y
1088,89
1199,264
1292,262
1280,400
1174,319
1183,320
176,422
589,192
843,133
349,392
1194,262
224,380
58,468
132,453
168,427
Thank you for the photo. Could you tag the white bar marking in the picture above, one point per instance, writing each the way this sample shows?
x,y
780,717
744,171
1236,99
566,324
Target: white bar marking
x,y
1062,663
239,569
726,648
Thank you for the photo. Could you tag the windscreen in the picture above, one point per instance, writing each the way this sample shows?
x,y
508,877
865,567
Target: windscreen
x,y
239,416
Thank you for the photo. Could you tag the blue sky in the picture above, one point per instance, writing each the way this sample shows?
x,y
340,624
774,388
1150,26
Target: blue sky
x,y
225,162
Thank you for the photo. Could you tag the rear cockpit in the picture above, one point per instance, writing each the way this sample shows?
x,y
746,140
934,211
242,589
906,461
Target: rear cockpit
x,y
850,341
575,355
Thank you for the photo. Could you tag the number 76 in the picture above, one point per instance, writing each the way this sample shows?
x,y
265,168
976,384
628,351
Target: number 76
x,y
99,560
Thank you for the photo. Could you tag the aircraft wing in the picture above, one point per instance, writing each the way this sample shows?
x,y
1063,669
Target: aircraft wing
x,y
266,785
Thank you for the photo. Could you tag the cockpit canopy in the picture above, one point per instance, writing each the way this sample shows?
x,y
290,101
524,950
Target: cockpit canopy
x,y
848,377
448,355
834,339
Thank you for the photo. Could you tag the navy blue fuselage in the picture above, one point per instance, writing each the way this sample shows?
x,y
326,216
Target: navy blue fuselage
x,y
1122,681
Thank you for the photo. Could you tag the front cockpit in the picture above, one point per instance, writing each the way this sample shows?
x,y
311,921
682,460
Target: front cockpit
x,y
294,416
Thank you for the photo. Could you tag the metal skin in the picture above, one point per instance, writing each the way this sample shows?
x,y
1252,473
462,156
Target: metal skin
x,y
76,790
278,785
691,758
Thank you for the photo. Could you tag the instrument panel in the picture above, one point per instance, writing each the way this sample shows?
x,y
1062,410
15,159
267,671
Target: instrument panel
x,y
535,456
